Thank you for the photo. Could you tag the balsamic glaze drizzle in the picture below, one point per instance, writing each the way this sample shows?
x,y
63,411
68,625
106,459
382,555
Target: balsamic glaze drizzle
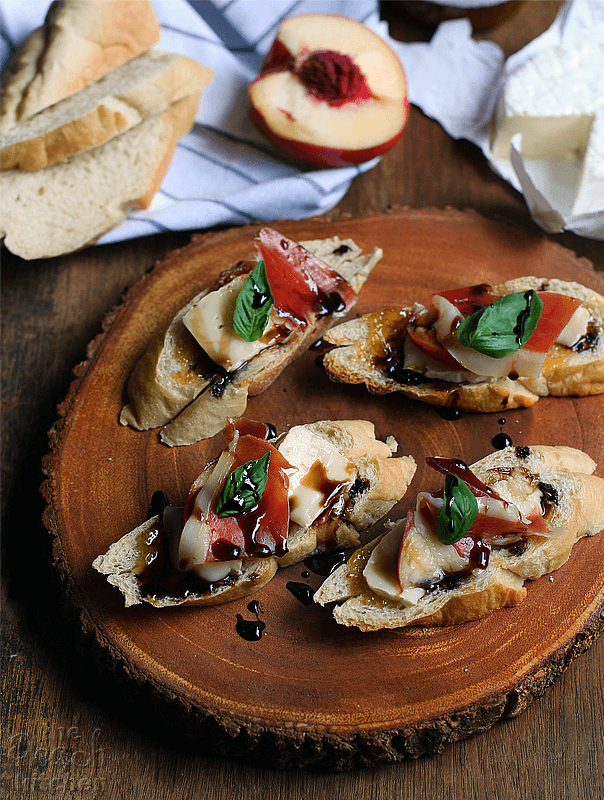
x,y
501,441
325,563
159,501
301,591
249,629
522,317
450,413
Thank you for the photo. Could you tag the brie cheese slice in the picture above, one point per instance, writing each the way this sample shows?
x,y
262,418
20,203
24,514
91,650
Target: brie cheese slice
x,y
210,321
575,328
319,473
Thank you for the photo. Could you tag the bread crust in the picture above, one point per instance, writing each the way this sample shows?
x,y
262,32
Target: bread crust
x,y
169,389
140,88
79,42
578,511
126,558
565,372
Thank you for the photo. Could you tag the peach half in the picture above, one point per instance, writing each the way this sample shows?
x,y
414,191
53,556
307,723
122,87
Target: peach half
x,y
330,92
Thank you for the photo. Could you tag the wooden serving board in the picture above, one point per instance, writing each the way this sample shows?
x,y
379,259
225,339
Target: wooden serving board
x,y
310,692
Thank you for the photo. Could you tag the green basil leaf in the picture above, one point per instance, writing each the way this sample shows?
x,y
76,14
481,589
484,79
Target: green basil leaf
x,y
504,327
458,512
253,306
243,488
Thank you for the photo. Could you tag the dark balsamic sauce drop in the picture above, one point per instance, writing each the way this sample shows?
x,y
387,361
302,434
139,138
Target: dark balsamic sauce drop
x,y
501,441
301,591
450,413
325,563
159,502
254,607
249,629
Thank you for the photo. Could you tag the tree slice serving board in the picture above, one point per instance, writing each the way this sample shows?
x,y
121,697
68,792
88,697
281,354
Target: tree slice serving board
x,y
310,692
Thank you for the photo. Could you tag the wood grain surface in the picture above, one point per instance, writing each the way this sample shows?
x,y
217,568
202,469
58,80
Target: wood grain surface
x,y
310,692
73,730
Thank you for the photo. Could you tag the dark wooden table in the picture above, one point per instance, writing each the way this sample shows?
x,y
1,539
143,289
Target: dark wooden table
x,y
71,730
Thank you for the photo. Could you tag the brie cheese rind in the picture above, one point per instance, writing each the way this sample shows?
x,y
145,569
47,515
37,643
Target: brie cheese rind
x,y
549,499
556,101
338,480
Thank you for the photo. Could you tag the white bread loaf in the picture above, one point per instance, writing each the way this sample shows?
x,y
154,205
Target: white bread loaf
x,y
573,499
70,204
358,348
167,387
380,482
80,41
141,87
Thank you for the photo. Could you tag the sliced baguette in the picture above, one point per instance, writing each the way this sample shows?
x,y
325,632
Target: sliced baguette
x,y
141,87
578,510
80,41
565,372
169,389
68,205
379,489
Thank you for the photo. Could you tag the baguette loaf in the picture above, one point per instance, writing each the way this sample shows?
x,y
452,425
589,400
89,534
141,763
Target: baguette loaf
x,y
377,482
170,387
360,346
571,500
80,41
141,87
70,204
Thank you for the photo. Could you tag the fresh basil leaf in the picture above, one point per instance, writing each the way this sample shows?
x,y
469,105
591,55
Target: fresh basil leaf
x,y
243,488
253,306
504,327
458,512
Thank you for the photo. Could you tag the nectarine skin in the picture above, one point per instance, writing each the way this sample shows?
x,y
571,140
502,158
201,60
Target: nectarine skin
x,y
325,156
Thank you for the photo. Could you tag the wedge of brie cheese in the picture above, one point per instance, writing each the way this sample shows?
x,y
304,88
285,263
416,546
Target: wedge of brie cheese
x,y
556,101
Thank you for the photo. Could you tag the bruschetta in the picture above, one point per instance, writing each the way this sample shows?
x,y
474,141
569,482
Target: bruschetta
x,y
467,550
479,348
234,339
266,502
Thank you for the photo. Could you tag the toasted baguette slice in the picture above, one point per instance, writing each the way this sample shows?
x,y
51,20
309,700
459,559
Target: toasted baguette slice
x,y
574,507
359,345
80,41
141,87
68,205
381,481
168,389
